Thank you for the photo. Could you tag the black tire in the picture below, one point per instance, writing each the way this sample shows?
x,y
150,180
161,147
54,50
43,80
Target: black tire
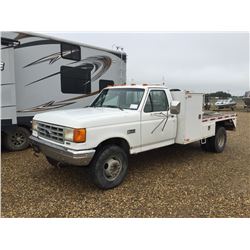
x,y
16,139
109,167
218,142
55,163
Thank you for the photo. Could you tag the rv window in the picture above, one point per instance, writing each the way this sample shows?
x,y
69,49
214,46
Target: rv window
x,y
70,51
75,80
105,83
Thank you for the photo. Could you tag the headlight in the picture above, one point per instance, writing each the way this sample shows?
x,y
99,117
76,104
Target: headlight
x,y
34,125
75,135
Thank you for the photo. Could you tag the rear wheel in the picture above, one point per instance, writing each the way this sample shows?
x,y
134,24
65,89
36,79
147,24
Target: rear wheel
x,y
109,167
16,139
218,142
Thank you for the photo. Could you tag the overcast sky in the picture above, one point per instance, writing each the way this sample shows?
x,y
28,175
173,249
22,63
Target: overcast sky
x,y
203,62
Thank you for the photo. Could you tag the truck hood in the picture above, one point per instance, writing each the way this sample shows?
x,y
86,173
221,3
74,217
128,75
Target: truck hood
x,y
88,117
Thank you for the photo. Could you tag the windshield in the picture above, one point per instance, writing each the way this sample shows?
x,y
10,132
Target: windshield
x,y
123,98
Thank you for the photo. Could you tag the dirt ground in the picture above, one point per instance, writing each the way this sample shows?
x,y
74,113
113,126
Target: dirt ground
x,y
175,181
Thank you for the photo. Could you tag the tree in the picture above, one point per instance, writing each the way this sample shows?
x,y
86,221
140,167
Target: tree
x,y
220,94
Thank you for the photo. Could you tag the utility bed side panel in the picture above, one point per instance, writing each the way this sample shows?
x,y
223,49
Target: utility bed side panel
x,y
208,129
189,127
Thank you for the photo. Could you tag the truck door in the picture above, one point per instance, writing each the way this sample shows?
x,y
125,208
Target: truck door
x,y
8,86
158,126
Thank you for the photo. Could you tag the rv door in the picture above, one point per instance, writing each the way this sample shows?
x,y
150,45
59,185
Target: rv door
x,y
8,86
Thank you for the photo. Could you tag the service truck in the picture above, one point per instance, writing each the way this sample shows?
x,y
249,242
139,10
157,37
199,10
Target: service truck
x,y
126,120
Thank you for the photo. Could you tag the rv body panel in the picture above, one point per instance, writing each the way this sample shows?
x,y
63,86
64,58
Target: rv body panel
x,y
45,73
8,88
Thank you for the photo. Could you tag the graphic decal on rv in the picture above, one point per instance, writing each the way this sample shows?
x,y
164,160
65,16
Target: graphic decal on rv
x,y
54,105
22,35
51,58
100,65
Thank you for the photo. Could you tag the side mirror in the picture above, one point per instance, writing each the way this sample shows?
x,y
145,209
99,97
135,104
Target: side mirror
x,y
175,107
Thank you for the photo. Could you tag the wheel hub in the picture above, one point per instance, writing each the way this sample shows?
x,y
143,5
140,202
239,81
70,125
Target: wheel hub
x,y
112,168
221,141
18,139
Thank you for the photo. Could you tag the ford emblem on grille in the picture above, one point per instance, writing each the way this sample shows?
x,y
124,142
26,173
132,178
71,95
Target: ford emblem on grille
x,y
48,132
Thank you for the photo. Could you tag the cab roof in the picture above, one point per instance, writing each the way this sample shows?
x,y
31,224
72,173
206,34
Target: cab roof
x,y
139,86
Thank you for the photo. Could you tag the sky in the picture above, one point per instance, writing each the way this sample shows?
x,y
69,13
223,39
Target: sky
x,y
202,62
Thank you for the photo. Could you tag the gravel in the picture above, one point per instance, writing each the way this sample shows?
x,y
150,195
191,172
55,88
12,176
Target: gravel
x,y
175,181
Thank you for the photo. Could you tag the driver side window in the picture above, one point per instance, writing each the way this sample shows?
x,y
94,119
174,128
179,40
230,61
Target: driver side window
x,y
156,101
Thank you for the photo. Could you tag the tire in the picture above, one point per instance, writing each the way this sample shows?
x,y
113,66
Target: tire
x,y
218,142
109,167
55,163
16,139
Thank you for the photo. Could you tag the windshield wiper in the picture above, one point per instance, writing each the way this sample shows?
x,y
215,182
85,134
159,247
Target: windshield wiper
x,y
112,106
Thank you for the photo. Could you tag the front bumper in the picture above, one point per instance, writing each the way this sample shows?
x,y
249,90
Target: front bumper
x,y
62,154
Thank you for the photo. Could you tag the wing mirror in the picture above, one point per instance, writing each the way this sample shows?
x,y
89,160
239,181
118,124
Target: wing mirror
x,y
175,107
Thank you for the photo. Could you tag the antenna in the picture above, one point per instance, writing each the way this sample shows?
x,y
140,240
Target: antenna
x,y
163,81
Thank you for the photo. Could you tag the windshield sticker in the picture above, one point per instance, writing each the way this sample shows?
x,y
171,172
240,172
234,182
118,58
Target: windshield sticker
x,y
133,106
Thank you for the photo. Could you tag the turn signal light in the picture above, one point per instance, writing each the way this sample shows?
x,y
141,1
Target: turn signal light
x,y
79,135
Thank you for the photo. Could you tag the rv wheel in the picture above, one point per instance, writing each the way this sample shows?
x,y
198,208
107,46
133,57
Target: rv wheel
x,y
16,139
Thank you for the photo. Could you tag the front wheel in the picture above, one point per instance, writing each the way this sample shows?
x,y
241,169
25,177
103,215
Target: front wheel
x,y
109,167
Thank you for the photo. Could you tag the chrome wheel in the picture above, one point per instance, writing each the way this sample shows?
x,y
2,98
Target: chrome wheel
x,y
112,168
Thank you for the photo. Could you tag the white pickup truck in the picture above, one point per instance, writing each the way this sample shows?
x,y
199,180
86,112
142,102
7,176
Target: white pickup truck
x,y
126,120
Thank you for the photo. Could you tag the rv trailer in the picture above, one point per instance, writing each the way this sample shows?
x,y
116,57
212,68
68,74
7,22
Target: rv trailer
x,y
41,73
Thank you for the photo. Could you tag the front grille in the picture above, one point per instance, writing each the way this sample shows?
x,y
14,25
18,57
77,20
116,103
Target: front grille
x,y
50,132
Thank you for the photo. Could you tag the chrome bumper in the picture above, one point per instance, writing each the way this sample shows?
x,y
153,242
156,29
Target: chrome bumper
x,y
62,154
